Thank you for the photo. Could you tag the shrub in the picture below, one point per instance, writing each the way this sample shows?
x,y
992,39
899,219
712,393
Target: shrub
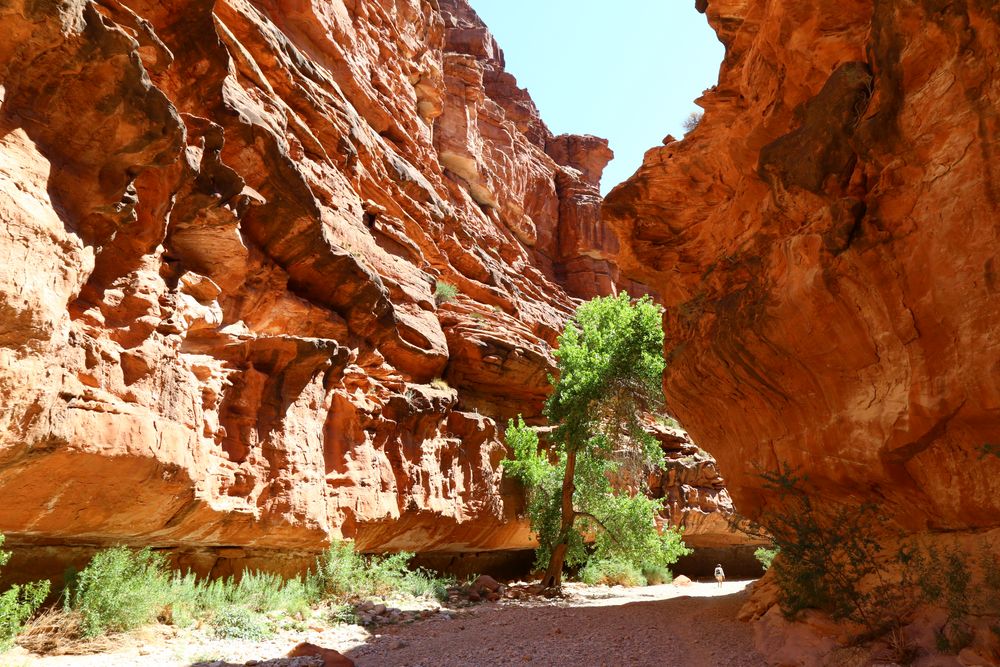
x,y
444,292
692,121
766,556
342,613
657,574
439,384
237,622
611,572
120,589
343,574
190,598
18,604
831,557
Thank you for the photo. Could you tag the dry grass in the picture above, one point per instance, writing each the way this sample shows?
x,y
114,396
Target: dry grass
x,y
901,650
59,632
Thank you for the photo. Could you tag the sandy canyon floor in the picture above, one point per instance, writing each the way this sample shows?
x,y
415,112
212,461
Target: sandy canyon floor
x,y
666,625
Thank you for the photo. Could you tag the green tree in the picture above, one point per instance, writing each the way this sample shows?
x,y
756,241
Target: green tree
x,y
610,372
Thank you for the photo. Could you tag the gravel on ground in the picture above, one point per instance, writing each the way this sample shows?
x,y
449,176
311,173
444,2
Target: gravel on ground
x,y
667,626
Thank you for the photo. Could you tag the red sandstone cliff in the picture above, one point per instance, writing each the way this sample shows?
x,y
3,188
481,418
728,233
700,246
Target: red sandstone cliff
x,y
223,223
826,243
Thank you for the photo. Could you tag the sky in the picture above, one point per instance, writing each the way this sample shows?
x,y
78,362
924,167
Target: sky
x,y
627,70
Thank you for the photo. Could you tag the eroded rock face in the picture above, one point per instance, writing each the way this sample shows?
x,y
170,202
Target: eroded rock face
x,y
694,492
825,242
223,223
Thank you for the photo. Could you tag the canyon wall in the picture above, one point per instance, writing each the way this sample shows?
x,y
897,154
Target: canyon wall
x,y
825,242
224,224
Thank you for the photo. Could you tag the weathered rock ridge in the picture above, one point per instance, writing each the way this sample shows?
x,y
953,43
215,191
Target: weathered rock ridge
x,y
223,226
825,242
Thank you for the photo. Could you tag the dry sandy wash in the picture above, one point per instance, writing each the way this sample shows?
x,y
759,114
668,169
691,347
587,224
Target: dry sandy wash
x,y
691,626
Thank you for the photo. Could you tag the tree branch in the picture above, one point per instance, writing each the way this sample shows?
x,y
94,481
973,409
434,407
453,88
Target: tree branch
x,y
588,515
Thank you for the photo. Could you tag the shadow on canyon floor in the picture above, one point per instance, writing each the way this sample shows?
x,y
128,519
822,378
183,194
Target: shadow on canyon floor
x,y
657,625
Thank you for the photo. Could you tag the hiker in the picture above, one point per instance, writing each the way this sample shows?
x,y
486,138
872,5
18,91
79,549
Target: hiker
x,y
720,575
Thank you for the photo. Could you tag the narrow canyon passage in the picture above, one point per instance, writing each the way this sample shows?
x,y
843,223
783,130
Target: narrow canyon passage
x,y
277,275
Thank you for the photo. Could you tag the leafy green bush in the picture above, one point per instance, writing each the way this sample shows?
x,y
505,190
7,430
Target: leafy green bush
x,y
611,572
766,556
18,604
342,613
120,589
444,292
237,622
343,574
190,598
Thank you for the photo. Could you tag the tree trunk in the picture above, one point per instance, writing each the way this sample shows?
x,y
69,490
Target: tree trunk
x,y
553,575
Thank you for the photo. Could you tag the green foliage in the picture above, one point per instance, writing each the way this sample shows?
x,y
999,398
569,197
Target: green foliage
x,y
611,572
542,482
342,613
667,421
240,623
344,574
989,449
190,598
766,556
657,574
831,558
18,604
120,589
610,372
444,292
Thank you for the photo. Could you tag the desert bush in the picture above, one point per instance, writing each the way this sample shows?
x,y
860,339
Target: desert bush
x,y
611,572
944,578
236,622
342,613
120,589
343,574
190,598
18,604
656,574
765,556
831,557
444,292
692,121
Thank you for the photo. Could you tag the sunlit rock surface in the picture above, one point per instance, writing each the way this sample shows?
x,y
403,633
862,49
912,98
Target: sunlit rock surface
x,y
825,241
223,226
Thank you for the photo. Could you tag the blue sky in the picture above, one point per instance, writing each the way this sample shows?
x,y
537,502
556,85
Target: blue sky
x,y
627,70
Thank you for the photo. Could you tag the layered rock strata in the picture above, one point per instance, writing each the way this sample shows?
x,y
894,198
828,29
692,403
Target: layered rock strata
x,y
825,241
697,502
223,227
